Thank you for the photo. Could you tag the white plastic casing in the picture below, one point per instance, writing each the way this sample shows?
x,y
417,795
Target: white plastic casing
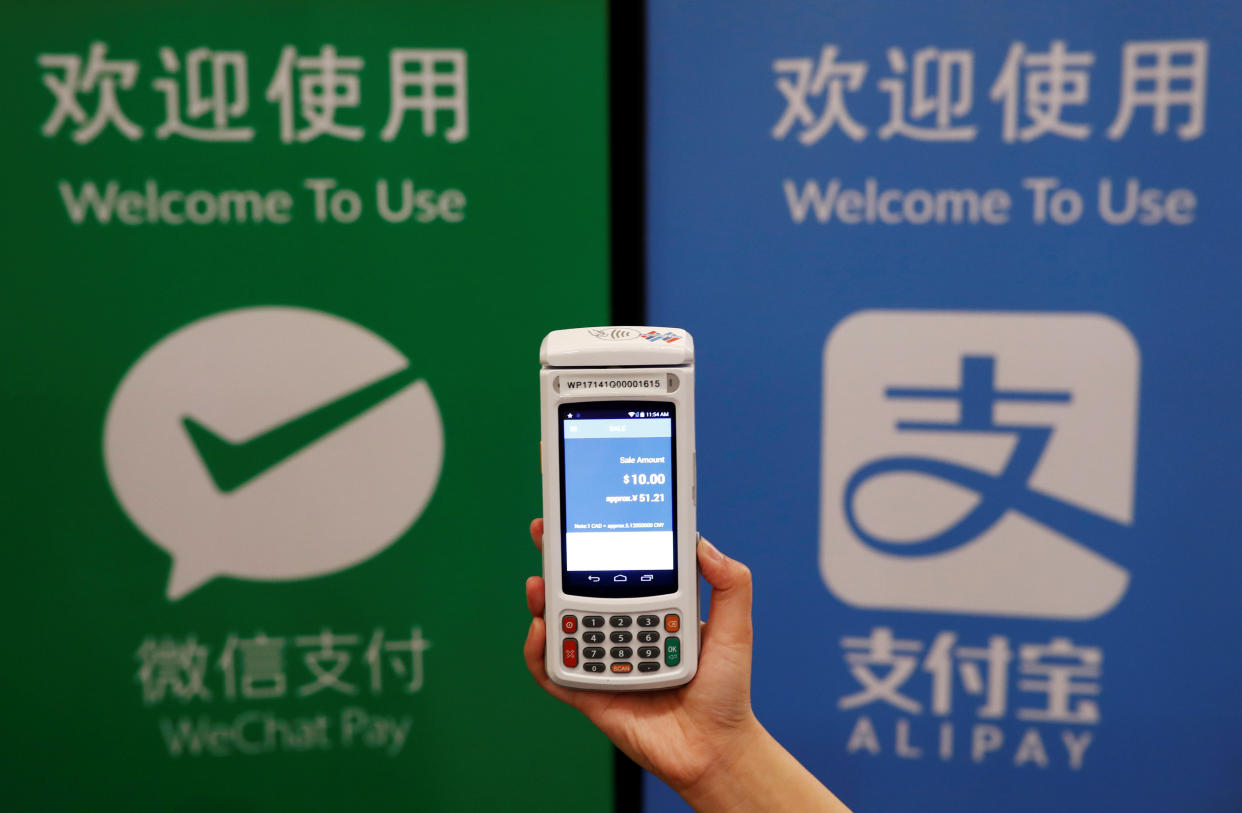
x,y
605,362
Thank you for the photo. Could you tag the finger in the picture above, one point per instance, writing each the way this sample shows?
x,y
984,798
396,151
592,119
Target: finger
x,y
535,596
536,533
533,651
702,635
728,618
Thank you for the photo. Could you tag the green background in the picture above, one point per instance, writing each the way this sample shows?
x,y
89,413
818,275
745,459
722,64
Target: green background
x,y
467,303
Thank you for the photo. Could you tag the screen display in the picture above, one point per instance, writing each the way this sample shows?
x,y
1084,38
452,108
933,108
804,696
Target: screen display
x,y
618,498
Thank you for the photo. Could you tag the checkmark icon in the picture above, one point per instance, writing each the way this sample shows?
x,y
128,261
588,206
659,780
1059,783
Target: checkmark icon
x,y
234,471
232,465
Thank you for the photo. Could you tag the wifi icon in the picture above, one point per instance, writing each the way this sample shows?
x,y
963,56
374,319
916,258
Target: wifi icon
x,y
631,414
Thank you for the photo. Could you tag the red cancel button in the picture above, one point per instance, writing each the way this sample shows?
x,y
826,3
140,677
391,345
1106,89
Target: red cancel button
x,y
569,652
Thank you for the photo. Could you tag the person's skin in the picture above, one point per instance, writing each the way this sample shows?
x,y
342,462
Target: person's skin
x,y
702,739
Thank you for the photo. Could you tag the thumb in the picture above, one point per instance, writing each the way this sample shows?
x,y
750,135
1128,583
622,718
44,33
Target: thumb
x,y
729,616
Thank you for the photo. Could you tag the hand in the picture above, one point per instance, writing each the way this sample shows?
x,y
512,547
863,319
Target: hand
x,y
677,734
703,738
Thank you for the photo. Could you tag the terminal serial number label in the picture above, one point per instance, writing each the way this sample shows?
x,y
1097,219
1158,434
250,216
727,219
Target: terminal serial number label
x,y
613,383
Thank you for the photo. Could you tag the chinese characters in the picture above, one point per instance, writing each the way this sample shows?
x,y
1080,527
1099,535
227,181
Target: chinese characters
x,y
262,667
1058,684
207,94
1040,93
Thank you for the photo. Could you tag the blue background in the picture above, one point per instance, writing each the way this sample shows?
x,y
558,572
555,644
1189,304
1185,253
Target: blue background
x,y
760,294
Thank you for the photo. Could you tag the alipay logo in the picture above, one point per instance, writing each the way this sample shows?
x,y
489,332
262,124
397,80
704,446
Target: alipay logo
x,y
979,462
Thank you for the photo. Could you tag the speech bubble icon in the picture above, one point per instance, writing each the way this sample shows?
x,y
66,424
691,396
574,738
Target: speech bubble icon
x,y
271,444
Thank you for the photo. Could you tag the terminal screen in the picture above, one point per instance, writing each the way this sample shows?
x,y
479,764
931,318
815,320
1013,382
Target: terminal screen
x,y
618,492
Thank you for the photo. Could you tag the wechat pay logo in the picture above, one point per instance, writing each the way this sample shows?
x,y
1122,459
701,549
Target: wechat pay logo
x,y
979,462
271,444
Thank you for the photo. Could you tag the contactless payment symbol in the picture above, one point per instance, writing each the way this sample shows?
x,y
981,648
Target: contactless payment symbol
x,y
979,462
271,444
614,333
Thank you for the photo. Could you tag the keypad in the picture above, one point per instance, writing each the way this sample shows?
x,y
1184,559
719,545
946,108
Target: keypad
x,y
659,647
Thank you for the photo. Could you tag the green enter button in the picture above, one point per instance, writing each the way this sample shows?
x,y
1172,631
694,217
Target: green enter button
x,y
672,651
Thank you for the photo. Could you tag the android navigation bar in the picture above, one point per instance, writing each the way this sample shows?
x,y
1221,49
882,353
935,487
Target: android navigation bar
x,y
621,577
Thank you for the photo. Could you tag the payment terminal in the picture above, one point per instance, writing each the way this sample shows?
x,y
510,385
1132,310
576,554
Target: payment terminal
x,y
619,494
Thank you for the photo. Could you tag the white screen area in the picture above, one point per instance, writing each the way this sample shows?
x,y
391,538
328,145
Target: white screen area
x,y
619,550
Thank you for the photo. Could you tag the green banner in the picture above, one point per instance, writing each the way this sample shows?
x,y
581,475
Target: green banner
x,y
275,280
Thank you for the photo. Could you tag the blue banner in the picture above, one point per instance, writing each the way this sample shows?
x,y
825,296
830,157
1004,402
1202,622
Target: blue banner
x,y
964,278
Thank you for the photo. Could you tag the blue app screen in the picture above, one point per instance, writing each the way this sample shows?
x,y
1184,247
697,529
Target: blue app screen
x,y
618,497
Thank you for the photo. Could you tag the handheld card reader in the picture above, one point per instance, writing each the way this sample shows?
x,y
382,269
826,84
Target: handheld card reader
x,y
619,535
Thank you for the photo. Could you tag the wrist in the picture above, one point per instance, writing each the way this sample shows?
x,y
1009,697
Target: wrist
x,y
756,773
726,777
